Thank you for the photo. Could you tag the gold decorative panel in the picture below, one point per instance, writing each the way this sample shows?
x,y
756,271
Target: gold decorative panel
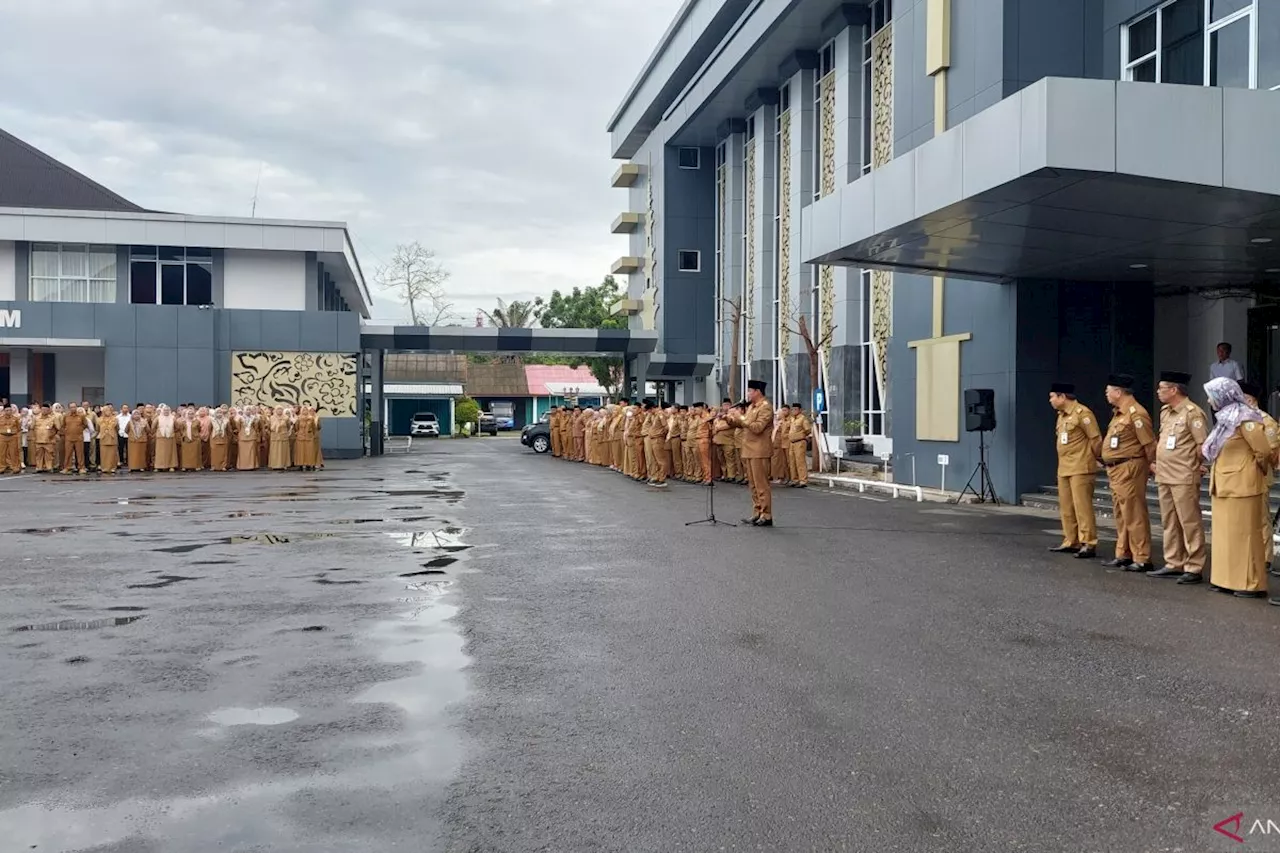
x,y
882,325
325,380
828,107
784,235
882,97
827,308
749,288
649,314
722,220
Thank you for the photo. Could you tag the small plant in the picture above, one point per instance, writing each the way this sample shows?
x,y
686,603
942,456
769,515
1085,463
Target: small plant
x,y
854,427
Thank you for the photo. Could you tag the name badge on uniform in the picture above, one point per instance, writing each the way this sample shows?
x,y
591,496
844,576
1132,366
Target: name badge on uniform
x,y
1063,438
1115,442
1170,442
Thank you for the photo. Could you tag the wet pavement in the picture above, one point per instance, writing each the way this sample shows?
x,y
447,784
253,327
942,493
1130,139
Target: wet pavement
x,y
472,648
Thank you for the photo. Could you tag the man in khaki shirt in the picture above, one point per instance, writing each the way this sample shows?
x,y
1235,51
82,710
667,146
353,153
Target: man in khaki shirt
x,y
756,424
722,438
1079,442
1183,430
801,427
1127,453
10,441
655,443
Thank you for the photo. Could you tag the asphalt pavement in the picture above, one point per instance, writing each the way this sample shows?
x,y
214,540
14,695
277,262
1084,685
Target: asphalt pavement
x,y
473,648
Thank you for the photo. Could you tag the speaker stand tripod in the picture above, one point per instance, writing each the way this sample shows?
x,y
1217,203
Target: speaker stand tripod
x,y
711,509
986,490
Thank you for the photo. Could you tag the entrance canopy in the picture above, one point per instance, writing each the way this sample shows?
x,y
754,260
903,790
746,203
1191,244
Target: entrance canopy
x,y
1090,180
619,342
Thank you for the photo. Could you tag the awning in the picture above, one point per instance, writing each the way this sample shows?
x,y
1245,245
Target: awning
x,y
560,389
1090,180
417,389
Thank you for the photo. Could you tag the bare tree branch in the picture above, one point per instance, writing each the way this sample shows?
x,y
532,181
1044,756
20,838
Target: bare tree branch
x,y
417,278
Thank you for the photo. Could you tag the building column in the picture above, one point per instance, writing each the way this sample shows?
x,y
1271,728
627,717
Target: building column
x,y
376,401
761,200
796,286
19,366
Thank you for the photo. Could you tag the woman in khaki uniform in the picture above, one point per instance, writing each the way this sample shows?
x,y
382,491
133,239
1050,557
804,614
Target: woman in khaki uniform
x,y
248,425
1240,457
166,437
307,439
108,440
139,437
280,432
188,441
219,440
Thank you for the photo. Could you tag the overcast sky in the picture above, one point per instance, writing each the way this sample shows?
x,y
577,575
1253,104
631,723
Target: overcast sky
x,y
475,127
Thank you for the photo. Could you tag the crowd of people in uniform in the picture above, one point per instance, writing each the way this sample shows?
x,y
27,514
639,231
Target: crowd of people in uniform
x,y
652,443
79,438
1238,448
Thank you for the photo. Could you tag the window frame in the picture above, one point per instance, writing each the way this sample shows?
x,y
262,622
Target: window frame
x,y
697,260
110,284
184,258
1208,28
697,157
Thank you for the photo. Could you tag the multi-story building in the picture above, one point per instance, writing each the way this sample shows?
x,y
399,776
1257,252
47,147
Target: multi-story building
x,y
104,301
953,194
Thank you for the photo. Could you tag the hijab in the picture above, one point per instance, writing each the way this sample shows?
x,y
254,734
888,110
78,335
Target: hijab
x,y
1230,410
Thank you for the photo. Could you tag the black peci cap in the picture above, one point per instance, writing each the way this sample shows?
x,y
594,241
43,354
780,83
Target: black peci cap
x,y
1120,380
756,385
1251,389
1176,377
1062,388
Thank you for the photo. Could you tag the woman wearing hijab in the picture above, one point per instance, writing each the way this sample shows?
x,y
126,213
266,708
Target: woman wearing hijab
x,y
139,437
219,439
108,440
204,424
1240,456
281,429
189,441
166,437
306,439
247,428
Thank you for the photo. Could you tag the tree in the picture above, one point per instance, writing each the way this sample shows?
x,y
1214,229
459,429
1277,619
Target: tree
x,y
589,308
465,411
735,309
517,314
417,279
814,349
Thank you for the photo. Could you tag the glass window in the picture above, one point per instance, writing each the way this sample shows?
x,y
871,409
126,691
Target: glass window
x,y
172,284
171,275
72,273
1268,27
1144,72
1229,55
142,283
1219,9
1182,42
1142,37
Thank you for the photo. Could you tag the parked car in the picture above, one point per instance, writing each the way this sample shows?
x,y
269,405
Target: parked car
x,y
537,435
504,413
487,424
425,424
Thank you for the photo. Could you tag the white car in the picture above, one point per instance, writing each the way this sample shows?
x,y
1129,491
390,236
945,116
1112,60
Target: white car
x,y
425,424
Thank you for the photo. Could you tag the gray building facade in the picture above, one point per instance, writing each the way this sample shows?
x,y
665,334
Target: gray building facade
x,y
963,194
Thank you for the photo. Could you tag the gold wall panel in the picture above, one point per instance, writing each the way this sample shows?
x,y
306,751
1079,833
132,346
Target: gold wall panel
x,y
828,119
784,236
749,300
882,97
325,380
649,313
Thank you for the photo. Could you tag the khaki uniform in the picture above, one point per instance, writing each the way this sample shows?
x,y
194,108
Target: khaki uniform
x,y
638,424
1126,453
1272,431
757,447
44,434
1183,429
1078,440
725,455
781,445
109,443
73,427
1238,483
553,426
675,447
655,442
702,435
801,429
577,434
10,442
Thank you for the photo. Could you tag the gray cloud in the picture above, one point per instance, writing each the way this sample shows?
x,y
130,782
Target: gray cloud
x,y
477,128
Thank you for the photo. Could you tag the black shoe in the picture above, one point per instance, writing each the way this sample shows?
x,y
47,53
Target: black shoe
x,y
1065,549
1139,567
1166,572
752,521
1221,589
1244,594
1275,601
1190,578
1275,572
1088,552
1118,563
764,522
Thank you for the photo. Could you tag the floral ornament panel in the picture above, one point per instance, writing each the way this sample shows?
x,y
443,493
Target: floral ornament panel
x,y
828,107
882,97
324,380
827,305
882,324
749,302
784,237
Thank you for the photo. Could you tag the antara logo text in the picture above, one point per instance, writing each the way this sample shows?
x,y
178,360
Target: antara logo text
x,y
1238,827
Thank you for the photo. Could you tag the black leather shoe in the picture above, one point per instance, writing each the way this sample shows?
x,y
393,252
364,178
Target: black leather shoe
x,y
1118,563
1086,553
1275,571
1244,594
1166,572
764,522
1221,589
1190,578
752,521
1139,567
1275,602
1065,549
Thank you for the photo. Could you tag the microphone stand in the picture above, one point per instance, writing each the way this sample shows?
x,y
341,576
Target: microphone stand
x,y
711,503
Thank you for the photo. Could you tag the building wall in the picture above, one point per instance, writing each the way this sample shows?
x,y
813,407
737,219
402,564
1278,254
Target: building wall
x,y
265,280
76,371
175,354
8,270
687,298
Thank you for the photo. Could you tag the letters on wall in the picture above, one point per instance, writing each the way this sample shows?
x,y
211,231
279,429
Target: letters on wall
x,y
322,379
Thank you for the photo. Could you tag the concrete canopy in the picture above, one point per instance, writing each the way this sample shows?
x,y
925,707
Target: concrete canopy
x,y
617,342
1089,180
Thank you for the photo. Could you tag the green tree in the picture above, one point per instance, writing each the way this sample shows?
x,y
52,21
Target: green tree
x,y
516,314
589,308
465,411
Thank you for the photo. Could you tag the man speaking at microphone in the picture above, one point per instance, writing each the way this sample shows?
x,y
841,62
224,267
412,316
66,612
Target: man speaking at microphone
x,y
757,449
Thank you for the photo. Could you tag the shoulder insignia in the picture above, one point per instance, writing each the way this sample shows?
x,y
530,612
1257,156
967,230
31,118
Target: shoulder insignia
x,y
1133,409
1086,420
1249,425
1138,423
1197,424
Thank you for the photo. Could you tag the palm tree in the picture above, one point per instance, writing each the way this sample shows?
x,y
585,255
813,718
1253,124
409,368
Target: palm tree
x,y
517,314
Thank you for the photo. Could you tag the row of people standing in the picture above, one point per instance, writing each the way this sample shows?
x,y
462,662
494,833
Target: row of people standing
x,y
662,441
1239,449
78,438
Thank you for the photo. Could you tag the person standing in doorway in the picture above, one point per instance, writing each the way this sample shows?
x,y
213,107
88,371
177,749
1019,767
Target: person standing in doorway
x,y
756,424
1225,367
1079,443
1183,429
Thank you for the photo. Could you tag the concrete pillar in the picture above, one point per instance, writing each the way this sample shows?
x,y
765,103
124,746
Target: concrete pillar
x,y
19,366
376,404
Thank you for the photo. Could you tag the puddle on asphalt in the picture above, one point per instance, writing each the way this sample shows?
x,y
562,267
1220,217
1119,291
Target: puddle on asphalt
x,y
420,574
323,581
454,494
182,549
161,582
358,520
78,659
42,531
439,562
444,539
126,609
80,624
211,562
277,538
252,716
